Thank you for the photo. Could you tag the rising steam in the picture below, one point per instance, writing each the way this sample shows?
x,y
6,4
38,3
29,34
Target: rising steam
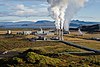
x,y
62,11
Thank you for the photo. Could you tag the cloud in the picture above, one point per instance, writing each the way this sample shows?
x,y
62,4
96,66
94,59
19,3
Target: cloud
x,y
21,10
20,7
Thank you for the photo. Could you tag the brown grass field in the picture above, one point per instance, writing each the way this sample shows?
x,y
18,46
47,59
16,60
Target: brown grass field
x,y
47,50
82,41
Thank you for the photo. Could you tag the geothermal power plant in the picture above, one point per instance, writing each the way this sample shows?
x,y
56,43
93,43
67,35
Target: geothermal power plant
x,y
62,11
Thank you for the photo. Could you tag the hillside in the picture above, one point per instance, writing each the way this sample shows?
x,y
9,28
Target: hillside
x,y
42,23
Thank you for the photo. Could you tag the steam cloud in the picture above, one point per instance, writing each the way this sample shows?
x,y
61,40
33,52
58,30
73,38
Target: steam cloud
x,y
62,11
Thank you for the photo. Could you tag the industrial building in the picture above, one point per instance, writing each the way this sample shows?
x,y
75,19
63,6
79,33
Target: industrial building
x,y
25,33
91,28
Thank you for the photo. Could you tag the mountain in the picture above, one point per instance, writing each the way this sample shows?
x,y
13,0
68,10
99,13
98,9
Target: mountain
x,y
77,23
42,23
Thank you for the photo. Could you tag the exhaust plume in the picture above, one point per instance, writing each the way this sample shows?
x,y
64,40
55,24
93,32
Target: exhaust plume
x,y
62,11
73,7
57,10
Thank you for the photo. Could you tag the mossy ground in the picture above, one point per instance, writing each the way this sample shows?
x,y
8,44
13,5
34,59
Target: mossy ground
x,y
31,58
45,53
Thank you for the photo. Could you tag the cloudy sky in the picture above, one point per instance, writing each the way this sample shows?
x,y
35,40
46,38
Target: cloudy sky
x,y
33,10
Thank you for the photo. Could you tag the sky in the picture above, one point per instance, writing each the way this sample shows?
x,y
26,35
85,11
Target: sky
x,y
34,10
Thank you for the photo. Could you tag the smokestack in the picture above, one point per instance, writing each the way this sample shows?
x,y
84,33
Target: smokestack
x,y
57,10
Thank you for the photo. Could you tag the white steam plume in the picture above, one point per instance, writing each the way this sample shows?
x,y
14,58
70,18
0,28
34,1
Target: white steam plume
x,y
57,10
73,8
62,11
